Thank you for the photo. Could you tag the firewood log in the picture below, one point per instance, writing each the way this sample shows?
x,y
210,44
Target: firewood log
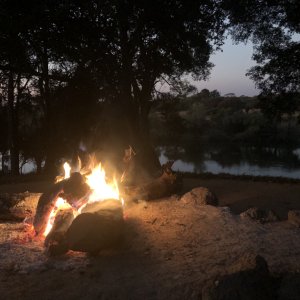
x,y
55,242
61,224
163,186
74,188
71,189
45,205
139,167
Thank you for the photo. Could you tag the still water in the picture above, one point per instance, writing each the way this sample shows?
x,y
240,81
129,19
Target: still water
x,y
238,161
280,162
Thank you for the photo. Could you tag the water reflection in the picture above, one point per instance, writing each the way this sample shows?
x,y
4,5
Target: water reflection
x,y
231,159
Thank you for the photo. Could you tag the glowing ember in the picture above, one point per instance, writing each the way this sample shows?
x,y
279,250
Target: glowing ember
x,y
100,190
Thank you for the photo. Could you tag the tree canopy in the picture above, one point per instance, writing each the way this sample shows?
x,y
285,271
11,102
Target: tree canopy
x,y
73,71
69,59
272,26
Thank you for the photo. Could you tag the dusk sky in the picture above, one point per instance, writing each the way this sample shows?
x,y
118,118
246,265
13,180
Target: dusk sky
x,y
228,75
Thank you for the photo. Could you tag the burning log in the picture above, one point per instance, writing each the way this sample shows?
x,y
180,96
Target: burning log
x,y
72,189
45,205
55,241
98,227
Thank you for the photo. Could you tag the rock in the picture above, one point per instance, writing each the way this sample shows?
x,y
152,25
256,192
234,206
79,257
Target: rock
x,y
18,206
294,217
253,281
263,216
98,227
250,261
290,287
200,196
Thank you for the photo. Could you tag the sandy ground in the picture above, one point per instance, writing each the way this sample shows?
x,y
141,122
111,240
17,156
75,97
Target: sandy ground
x,y
170,248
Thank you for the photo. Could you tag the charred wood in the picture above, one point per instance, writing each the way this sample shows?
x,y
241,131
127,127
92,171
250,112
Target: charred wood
x,y
169,182
72,190
45,205
55,242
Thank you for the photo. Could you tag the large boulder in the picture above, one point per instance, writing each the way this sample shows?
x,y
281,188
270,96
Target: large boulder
x,y
252,281
200,196
260,215
98,227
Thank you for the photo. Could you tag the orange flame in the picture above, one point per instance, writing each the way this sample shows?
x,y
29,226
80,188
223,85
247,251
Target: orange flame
x,y
59,204
100,190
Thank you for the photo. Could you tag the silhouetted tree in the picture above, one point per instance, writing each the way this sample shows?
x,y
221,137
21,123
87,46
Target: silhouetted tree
x,y
121,48
14,62
271,25
129,45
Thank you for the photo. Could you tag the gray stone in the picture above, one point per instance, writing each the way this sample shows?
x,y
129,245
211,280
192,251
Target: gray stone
x,y
99,226
261,215
294,217
200,196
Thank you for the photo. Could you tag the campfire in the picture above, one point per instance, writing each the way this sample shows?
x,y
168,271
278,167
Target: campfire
x,y
83,211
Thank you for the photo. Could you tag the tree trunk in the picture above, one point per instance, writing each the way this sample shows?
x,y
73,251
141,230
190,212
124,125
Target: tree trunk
x,y
135,103
38,162
13,127
3,167
44,85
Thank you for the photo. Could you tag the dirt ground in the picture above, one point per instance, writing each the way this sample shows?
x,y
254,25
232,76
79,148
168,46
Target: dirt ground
x,y
170,248
238,194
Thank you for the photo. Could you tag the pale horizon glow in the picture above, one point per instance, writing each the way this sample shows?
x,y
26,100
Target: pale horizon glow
x,y
228,74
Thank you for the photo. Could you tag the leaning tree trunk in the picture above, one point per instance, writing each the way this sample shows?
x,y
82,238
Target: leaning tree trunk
x,y
49,121
3,161
13,127
149,159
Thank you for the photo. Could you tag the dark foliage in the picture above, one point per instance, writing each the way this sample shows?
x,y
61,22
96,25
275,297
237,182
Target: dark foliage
x,y
271,25
69,61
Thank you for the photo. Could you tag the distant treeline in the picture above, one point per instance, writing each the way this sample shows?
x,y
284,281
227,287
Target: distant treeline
x,y
207,117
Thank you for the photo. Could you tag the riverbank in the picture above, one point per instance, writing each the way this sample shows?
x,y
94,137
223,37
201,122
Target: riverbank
x,y
241,194
237,192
